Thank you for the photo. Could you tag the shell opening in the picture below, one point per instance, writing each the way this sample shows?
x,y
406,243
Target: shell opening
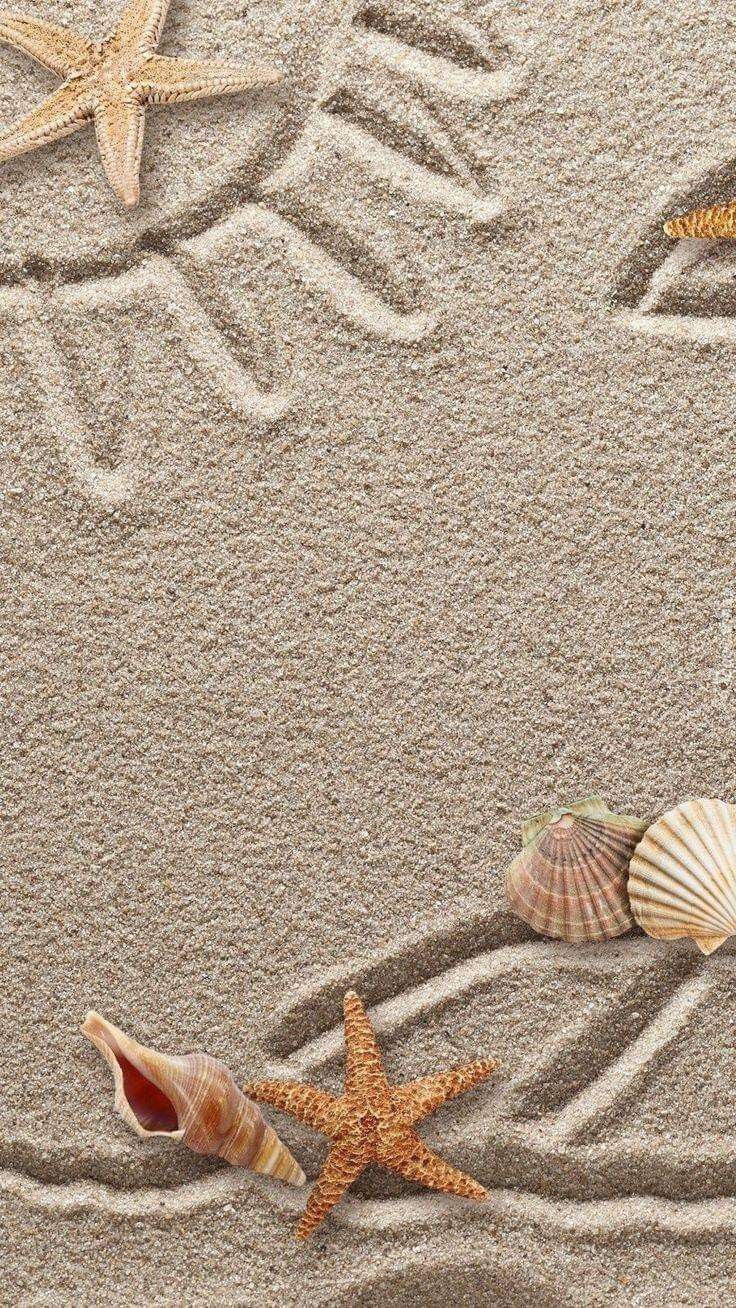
x,y
136,1092
153,1109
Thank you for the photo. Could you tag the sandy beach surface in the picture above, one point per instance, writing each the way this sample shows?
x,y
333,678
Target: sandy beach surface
x,y
367,489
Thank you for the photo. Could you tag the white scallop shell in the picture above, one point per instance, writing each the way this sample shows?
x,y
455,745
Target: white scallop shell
x,y
682,877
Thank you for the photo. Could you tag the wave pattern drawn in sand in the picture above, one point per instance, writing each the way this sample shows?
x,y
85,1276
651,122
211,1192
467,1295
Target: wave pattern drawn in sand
x,y
544,1138
547,1133
387,135
685,289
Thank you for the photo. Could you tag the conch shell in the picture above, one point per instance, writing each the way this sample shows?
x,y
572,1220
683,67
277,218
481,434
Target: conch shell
x,y
191,1098
569,881
682,880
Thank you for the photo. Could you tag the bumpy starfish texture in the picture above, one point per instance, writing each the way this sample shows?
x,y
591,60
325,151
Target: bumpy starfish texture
x,y
372,1122
718,220
112,84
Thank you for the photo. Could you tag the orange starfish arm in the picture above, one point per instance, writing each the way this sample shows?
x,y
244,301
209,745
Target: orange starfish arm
x,y
141,24
60,114
338,1173
363,1062
119,123
718,220
418,1099
304,1102
167,81
52,46
420,1164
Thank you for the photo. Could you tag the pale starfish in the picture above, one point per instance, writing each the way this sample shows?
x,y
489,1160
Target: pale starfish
x,y
372,1122
112,84
717,220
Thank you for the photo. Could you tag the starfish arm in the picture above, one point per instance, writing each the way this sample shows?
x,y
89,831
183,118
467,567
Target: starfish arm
x,y
718,220
54,47
338,1173
363,1062
418,1099
60,114
168,81
140,25
418,1163
119,123
304,1102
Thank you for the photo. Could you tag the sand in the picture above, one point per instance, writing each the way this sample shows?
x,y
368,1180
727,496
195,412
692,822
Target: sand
x,y
366,490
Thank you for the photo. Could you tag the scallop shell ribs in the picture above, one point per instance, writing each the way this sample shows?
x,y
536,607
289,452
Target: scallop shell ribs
x,y
682,880
191,1098
569,881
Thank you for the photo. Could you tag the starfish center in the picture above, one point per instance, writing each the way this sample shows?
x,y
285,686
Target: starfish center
x,y
375,1129
119,68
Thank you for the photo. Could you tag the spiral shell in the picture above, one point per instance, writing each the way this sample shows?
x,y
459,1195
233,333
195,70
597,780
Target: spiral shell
x,y
569,881
682,879
191,1098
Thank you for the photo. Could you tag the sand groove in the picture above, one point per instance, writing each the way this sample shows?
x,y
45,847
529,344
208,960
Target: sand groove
x,y
339,267
207,348
167,280
682,288
455,41
591,1046
418,182
144,1201
400,81
456,1279
618,1081
104,487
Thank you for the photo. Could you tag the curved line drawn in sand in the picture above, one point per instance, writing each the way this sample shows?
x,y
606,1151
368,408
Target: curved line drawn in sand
x,y
542,1135
684,288
382,122
456,1277
87,1195
617,1082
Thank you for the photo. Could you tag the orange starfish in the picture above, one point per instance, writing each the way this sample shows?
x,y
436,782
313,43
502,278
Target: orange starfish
x,y
372,1122
718,220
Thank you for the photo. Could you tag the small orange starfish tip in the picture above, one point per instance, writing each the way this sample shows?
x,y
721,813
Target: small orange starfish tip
x,y
719,221
373,1121
682,226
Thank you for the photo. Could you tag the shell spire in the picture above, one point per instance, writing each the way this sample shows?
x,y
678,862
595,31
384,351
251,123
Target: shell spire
x,y
192,1098
682,880
569,881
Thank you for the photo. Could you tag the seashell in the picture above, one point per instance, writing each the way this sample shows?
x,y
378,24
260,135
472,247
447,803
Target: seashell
x,y
682,879
569,881
191,1098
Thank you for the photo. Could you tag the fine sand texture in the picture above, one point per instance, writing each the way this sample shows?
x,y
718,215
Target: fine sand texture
x,y
366,490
